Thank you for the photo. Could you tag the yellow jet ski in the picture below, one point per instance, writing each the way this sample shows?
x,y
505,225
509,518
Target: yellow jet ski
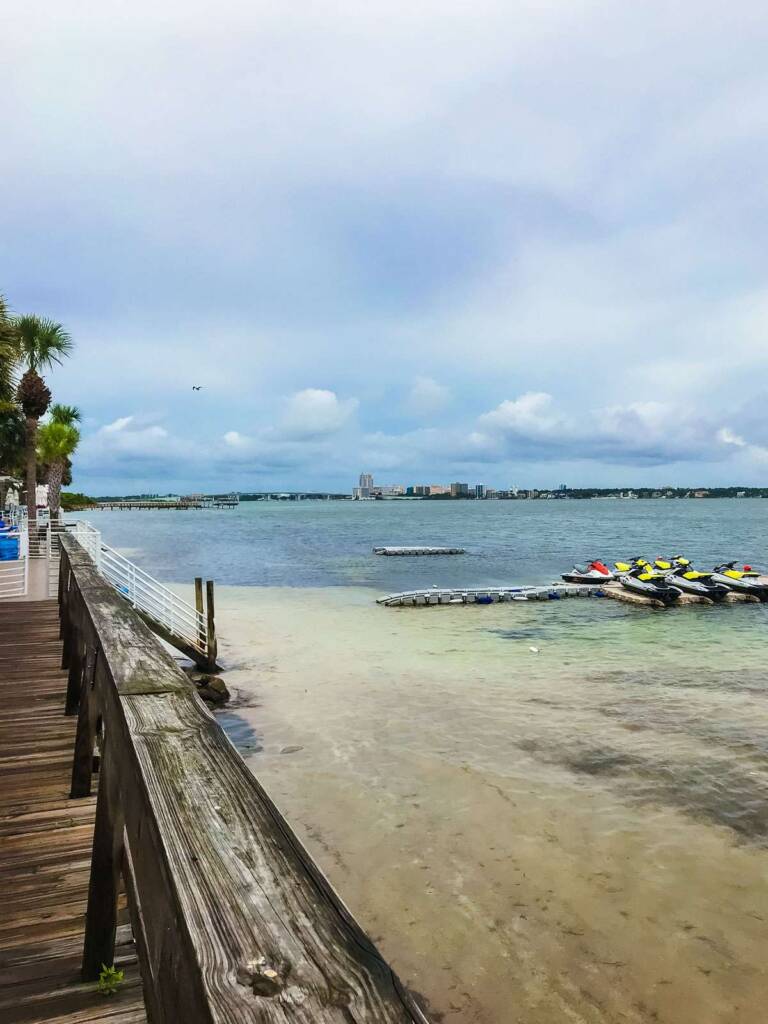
x,y
741,581
681,573
641,578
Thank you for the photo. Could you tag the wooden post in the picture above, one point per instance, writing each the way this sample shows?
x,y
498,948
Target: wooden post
x,y
210,610
200,608
82,762
65,617
106,865
60,595
75,661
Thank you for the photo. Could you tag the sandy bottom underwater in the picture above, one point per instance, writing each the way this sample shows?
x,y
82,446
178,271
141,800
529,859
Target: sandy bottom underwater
x,y
576,833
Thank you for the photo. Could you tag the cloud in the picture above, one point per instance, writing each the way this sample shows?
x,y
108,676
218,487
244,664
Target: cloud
x,y
756,452
119,424
635,432
470,229
427,397
313,413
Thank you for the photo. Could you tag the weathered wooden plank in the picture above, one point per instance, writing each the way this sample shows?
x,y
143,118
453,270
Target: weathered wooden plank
x,y
259,916
45,840
235,923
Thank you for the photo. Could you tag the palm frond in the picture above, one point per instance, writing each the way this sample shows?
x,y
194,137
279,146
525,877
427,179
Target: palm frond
x,y
69,415
42,342
56,442
9,353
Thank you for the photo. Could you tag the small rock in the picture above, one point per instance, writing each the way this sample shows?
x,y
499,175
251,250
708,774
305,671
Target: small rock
x,y
212,689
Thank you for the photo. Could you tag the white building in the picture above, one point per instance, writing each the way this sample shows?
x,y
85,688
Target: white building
x,y
365,488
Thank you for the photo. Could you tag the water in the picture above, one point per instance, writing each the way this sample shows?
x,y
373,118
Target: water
x,y
320,544
576,834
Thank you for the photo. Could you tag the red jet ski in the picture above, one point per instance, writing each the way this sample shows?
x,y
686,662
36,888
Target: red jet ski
x,y
594,572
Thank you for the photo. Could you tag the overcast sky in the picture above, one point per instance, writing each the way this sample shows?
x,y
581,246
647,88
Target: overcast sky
x,y
517,243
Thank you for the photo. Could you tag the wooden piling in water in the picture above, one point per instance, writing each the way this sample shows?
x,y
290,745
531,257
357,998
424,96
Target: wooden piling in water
x,y
213,647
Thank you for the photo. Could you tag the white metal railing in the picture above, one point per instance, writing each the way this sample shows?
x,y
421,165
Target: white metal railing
x,y
143,591
14,573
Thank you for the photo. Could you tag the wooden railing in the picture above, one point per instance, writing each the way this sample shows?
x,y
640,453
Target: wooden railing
x,y
232,919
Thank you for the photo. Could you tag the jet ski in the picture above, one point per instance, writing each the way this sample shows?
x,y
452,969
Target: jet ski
x,y
632,564
643,580
594,572
699,583
741,581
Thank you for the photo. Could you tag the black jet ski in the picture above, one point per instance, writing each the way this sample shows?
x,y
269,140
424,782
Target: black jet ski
x,y
740,581
700,584
643,580
593,573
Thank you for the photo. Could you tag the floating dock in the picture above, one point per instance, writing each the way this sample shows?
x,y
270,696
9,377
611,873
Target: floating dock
x,y
488,595
413,551
555,592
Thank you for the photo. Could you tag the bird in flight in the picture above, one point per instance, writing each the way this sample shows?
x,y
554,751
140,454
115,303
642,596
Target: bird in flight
x,y
197,387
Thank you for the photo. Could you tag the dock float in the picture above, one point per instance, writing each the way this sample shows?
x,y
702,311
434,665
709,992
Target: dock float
x,y
555,592
487,595
413,551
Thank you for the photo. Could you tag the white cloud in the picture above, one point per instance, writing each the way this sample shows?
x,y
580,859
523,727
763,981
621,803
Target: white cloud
x,y
117,425
427,397
727,436
634,432
315,412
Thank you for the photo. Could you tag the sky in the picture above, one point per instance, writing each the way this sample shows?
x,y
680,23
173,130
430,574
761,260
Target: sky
x,y
518,243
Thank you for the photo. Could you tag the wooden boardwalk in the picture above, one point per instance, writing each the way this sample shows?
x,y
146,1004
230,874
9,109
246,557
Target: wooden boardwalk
x,y
232,922
46,839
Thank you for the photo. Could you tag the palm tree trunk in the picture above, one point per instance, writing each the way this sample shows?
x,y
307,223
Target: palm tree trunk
x,y
55,474
31,455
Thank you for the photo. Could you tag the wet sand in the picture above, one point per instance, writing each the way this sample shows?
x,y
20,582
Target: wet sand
x,y
577,834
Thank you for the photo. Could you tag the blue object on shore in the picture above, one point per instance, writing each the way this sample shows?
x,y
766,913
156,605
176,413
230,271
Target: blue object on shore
x,y
9,548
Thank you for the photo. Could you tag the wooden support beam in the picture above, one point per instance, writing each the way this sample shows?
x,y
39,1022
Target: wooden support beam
x,y
213,647
82,762
106,865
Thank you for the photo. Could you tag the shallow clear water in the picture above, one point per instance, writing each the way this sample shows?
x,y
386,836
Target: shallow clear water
x,y
578,833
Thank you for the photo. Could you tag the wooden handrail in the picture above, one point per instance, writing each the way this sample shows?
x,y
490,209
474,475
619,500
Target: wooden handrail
x,y
233,920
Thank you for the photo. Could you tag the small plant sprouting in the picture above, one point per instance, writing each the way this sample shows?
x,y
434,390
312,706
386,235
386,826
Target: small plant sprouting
x,y
110,980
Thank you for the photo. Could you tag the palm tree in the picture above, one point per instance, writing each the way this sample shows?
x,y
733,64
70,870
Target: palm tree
x,y
41,343
8,356
56,442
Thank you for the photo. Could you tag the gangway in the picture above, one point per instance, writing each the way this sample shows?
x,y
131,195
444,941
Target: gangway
x,y
190,629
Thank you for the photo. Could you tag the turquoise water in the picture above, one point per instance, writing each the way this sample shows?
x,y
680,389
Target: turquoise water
x,y
320,544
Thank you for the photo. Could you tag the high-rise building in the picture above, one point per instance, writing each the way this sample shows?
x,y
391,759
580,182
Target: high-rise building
x,y
479,490
365,488
459,490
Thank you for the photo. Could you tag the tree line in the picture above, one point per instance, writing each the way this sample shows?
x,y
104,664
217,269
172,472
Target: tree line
x,y
31,345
